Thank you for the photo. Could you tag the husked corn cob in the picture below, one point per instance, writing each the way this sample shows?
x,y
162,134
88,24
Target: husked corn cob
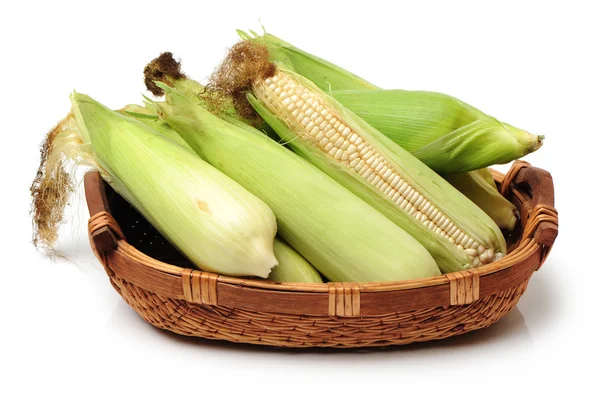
x,y
339,234
445,133
476,186
455,231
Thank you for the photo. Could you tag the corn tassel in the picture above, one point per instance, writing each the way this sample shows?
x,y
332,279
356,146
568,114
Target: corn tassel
x,y
167,70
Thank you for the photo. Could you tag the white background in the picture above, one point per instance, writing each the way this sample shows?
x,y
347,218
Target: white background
x,y
66,332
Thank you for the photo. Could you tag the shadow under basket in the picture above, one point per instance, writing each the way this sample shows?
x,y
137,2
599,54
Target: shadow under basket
x,y
164,288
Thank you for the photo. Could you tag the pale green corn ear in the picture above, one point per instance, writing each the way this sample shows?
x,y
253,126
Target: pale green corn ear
x,y
455,231
476,186
486,175
339,234
445,133
323,73
292,268
216,223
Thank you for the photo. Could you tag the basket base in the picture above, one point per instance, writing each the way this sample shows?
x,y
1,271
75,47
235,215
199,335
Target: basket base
x,y
283,330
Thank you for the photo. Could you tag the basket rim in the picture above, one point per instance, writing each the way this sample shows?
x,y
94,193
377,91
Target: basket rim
x,y
533,210
523,251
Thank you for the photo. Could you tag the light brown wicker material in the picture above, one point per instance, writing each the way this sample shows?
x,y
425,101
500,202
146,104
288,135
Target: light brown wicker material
x,y
173,296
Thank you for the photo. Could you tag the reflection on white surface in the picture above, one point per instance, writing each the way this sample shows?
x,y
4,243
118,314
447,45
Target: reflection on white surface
x,y
545,300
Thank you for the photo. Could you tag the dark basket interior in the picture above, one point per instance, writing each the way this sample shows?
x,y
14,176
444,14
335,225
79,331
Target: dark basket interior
x,y
140,233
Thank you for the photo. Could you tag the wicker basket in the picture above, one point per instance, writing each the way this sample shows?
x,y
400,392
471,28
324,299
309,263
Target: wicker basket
x,y
162,287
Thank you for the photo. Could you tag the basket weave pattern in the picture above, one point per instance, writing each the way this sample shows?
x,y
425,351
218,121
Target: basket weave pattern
x,y
341,315
275,329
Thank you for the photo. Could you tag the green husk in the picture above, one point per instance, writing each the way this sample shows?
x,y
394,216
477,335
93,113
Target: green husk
x,y
292,268
486,175
445,133
183,197
323,73
149,117
476,186
340,235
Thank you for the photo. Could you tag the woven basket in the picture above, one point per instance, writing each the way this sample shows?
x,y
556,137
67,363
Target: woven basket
x,y
160,284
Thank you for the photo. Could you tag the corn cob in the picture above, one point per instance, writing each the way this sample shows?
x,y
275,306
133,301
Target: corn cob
x,y
185,198
476,186
411,119
339,234
445,133
292,267
455,231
